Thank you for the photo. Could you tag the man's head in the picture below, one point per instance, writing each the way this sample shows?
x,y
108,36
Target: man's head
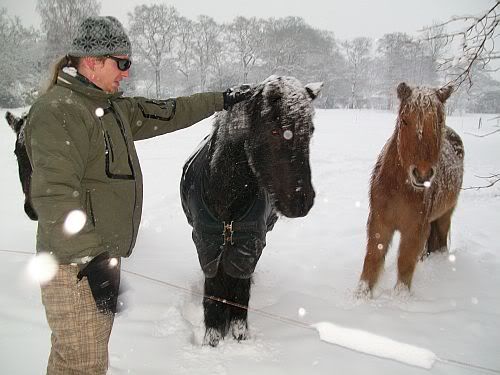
x,y
104,49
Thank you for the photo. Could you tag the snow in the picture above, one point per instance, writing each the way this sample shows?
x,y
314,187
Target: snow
x,y
306,275
43,267
75,221
377,345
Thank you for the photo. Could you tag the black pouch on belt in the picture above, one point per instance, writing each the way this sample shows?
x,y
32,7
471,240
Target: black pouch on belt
x,y
103,275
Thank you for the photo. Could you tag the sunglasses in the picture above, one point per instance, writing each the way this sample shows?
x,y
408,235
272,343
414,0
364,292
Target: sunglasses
x,y
121,63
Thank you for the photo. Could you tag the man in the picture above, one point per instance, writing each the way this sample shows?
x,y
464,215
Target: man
x,y
79,138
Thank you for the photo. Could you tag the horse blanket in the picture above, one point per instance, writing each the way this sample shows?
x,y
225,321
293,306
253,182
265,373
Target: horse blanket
x,y
237,243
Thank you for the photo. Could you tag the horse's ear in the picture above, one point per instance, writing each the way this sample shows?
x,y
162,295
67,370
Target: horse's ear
x,y
13,122
404,91
444,93
272,91
313,89
10,119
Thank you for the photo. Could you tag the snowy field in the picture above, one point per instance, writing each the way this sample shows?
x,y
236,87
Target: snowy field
x,y
307,272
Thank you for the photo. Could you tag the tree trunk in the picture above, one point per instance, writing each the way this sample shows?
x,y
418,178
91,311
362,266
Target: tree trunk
x,y
157,79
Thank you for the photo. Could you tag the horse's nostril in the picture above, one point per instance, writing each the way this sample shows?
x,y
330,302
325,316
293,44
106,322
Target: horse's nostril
x,y
415,173
431,173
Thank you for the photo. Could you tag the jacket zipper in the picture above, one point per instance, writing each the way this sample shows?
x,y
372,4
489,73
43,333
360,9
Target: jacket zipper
x,y
110,145
90,208
122,130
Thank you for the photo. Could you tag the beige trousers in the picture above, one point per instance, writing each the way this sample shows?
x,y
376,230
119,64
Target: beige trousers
x,y
80,334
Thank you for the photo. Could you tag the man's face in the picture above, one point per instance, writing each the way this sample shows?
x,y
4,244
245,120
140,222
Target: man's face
x,y
106,74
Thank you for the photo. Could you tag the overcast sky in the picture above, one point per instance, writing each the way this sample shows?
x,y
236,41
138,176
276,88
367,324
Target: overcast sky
x,y
346,18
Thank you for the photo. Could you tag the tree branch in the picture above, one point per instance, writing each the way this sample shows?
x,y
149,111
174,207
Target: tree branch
x,y
477,44
492,179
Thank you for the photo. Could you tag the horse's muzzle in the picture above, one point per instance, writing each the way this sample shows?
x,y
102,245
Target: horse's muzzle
x,y
298,204
422,178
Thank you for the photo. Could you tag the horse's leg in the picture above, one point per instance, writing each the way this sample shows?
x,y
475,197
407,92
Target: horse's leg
x,y
239,292
215,312
438,237
410,250
379,239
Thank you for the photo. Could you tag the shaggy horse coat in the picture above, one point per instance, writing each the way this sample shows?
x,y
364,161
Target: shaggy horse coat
x,y
254,165
414,186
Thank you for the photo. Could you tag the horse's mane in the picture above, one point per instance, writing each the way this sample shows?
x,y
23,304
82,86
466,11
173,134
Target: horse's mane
x,y
289,90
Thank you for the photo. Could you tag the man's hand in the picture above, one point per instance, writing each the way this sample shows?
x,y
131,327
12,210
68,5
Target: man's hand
x,y
235,95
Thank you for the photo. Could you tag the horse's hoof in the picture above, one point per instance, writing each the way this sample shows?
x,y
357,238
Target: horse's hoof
x,y
438,250
362,291
239,329
212,337
401,291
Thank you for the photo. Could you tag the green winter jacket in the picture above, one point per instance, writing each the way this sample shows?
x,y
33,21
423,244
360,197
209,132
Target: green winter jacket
x,y
80,141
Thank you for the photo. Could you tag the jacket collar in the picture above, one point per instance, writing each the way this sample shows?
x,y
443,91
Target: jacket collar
x,y
79,85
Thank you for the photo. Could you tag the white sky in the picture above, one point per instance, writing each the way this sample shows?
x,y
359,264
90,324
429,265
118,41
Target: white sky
x,y
347,19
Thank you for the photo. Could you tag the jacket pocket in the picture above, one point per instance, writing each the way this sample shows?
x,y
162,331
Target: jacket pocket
x,y
118,163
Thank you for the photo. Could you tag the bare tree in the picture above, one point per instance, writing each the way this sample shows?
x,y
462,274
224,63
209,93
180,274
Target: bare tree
x,y
436,46
433,50
476,37
396,60
246,35
221,61
184,47
153,30
60,21
357,53
206,45
289,44
19,70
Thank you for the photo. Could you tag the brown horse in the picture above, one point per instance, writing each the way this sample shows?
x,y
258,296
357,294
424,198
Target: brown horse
x,y
414,186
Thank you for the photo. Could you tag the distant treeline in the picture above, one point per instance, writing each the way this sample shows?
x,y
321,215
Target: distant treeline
x,y
174,55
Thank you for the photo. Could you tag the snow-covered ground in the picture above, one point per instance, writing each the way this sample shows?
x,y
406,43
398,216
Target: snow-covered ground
x,y
307,272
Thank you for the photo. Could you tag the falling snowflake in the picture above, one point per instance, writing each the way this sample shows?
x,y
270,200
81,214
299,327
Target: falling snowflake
x,y
288,134
113,262
43,267
99,112
74,222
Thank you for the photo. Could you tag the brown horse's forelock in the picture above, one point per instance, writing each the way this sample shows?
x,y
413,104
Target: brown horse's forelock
x,y
422,102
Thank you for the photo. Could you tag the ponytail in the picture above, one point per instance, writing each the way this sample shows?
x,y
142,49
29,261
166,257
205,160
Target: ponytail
x,y
65,61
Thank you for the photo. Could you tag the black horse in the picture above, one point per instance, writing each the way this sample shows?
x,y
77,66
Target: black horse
x,y
23,162
253,165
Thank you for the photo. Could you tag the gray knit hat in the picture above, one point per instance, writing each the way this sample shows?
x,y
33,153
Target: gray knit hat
x,y
100,36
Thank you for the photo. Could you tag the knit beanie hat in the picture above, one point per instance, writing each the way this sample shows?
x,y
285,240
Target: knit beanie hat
x,y
100,36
